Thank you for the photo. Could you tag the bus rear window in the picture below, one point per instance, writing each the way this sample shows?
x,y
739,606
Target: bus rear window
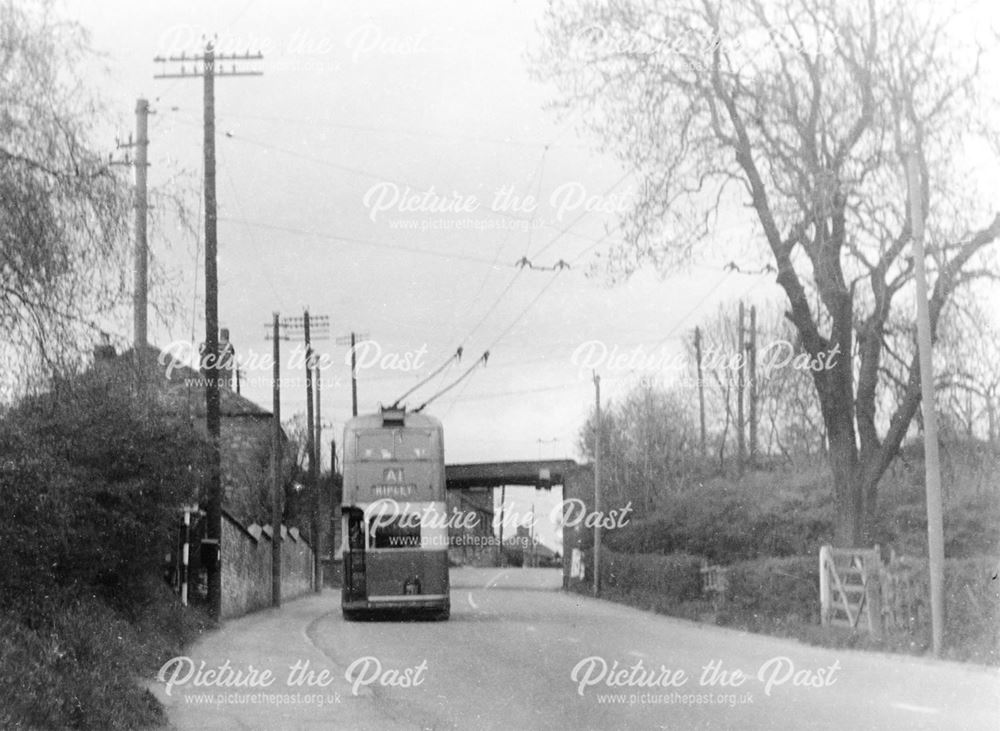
x,y
414,445
375,445
398,444
393,535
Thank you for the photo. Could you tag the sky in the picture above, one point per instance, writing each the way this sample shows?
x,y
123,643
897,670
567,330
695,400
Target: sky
x,y
366,115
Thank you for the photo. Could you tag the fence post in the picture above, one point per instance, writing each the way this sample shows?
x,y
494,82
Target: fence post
x,y
873,592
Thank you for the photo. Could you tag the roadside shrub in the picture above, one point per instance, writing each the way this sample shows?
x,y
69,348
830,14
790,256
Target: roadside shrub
x,y
772,591
77,673
92,478
972,609
77,667
725,527
676,577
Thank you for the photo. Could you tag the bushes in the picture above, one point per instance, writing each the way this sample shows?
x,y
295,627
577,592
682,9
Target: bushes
x,y
676,577
772,591
78,669
781,596
724,527
972,607
92,477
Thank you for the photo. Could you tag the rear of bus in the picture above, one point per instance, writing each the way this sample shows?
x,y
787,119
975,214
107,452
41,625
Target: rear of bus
x,y
395,553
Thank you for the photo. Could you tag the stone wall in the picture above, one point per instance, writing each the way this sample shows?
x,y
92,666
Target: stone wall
x,y
245,447
246,566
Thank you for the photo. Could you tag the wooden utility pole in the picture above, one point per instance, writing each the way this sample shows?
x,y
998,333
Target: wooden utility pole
x,y
313,471
932,467
740,376
207,73
701,390
315,327
141,255
597,483
503,502
318,498
276,476
752,367
352,340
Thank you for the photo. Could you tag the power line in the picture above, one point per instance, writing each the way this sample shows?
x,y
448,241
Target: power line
x,y
349,169
444,136
525,310
253,240
579,218
362,242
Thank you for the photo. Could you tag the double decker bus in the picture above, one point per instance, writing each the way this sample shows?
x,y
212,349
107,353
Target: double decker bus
x,y
394,510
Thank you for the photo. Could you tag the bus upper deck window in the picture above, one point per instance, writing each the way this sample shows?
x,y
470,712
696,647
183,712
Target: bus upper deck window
x,y
414,445
375,446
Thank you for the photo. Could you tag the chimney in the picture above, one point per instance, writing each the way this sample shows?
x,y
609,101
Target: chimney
x,y
104,352
227,360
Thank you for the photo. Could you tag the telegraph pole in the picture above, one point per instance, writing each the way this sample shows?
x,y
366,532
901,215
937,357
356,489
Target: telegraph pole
x,y
318,498
276,491
597,483
353,339
141,255
311,451
752,367
740,376
140,269
354,378
316,327
701,388
319,421
932,468
213,419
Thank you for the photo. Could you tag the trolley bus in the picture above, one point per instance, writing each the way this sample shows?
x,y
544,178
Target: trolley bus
x,y
394,510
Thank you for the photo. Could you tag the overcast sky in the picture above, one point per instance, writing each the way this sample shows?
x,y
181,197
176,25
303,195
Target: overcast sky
x,y
359,102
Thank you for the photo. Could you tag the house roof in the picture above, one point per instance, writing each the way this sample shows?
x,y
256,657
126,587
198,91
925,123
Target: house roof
x,y
180,388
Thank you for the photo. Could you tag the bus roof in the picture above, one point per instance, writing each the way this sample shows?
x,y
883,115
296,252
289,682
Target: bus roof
x,y
376,421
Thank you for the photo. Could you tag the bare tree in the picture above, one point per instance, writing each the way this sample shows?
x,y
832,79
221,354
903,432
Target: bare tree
x,y
649,446
64,216
969,390
805,110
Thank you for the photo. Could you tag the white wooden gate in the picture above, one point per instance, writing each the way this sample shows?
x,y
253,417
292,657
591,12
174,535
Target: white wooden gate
x,y
849,588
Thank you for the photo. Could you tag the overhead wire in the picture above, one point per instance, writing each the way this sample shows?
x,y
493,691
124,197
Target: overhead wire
x,y
253,240
444,136
363,242
346,168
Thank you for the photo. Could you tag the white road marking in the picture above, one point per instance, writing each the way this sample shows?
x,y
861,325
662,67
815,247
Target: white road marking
x,y
915,709
471,602
489,584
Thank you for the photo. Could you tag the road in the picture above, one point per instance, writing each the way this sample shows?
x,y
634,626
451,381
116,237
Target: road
x,y
520,654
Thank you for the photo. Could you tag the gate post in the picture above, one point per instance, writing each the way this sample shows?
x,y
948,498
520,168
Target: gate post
x,y
824,585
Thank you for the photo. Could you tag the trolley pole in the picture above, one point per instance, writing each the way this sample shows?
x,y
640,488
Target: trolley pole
x,y
597,483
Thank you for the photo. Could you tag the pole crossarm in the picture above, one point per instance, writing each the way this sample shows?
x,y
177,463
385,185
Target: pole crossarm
x,y
207,73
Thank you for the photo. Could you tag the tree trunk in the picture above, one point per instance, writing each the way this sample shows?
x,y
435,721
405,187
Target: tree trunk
x,y
848,489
